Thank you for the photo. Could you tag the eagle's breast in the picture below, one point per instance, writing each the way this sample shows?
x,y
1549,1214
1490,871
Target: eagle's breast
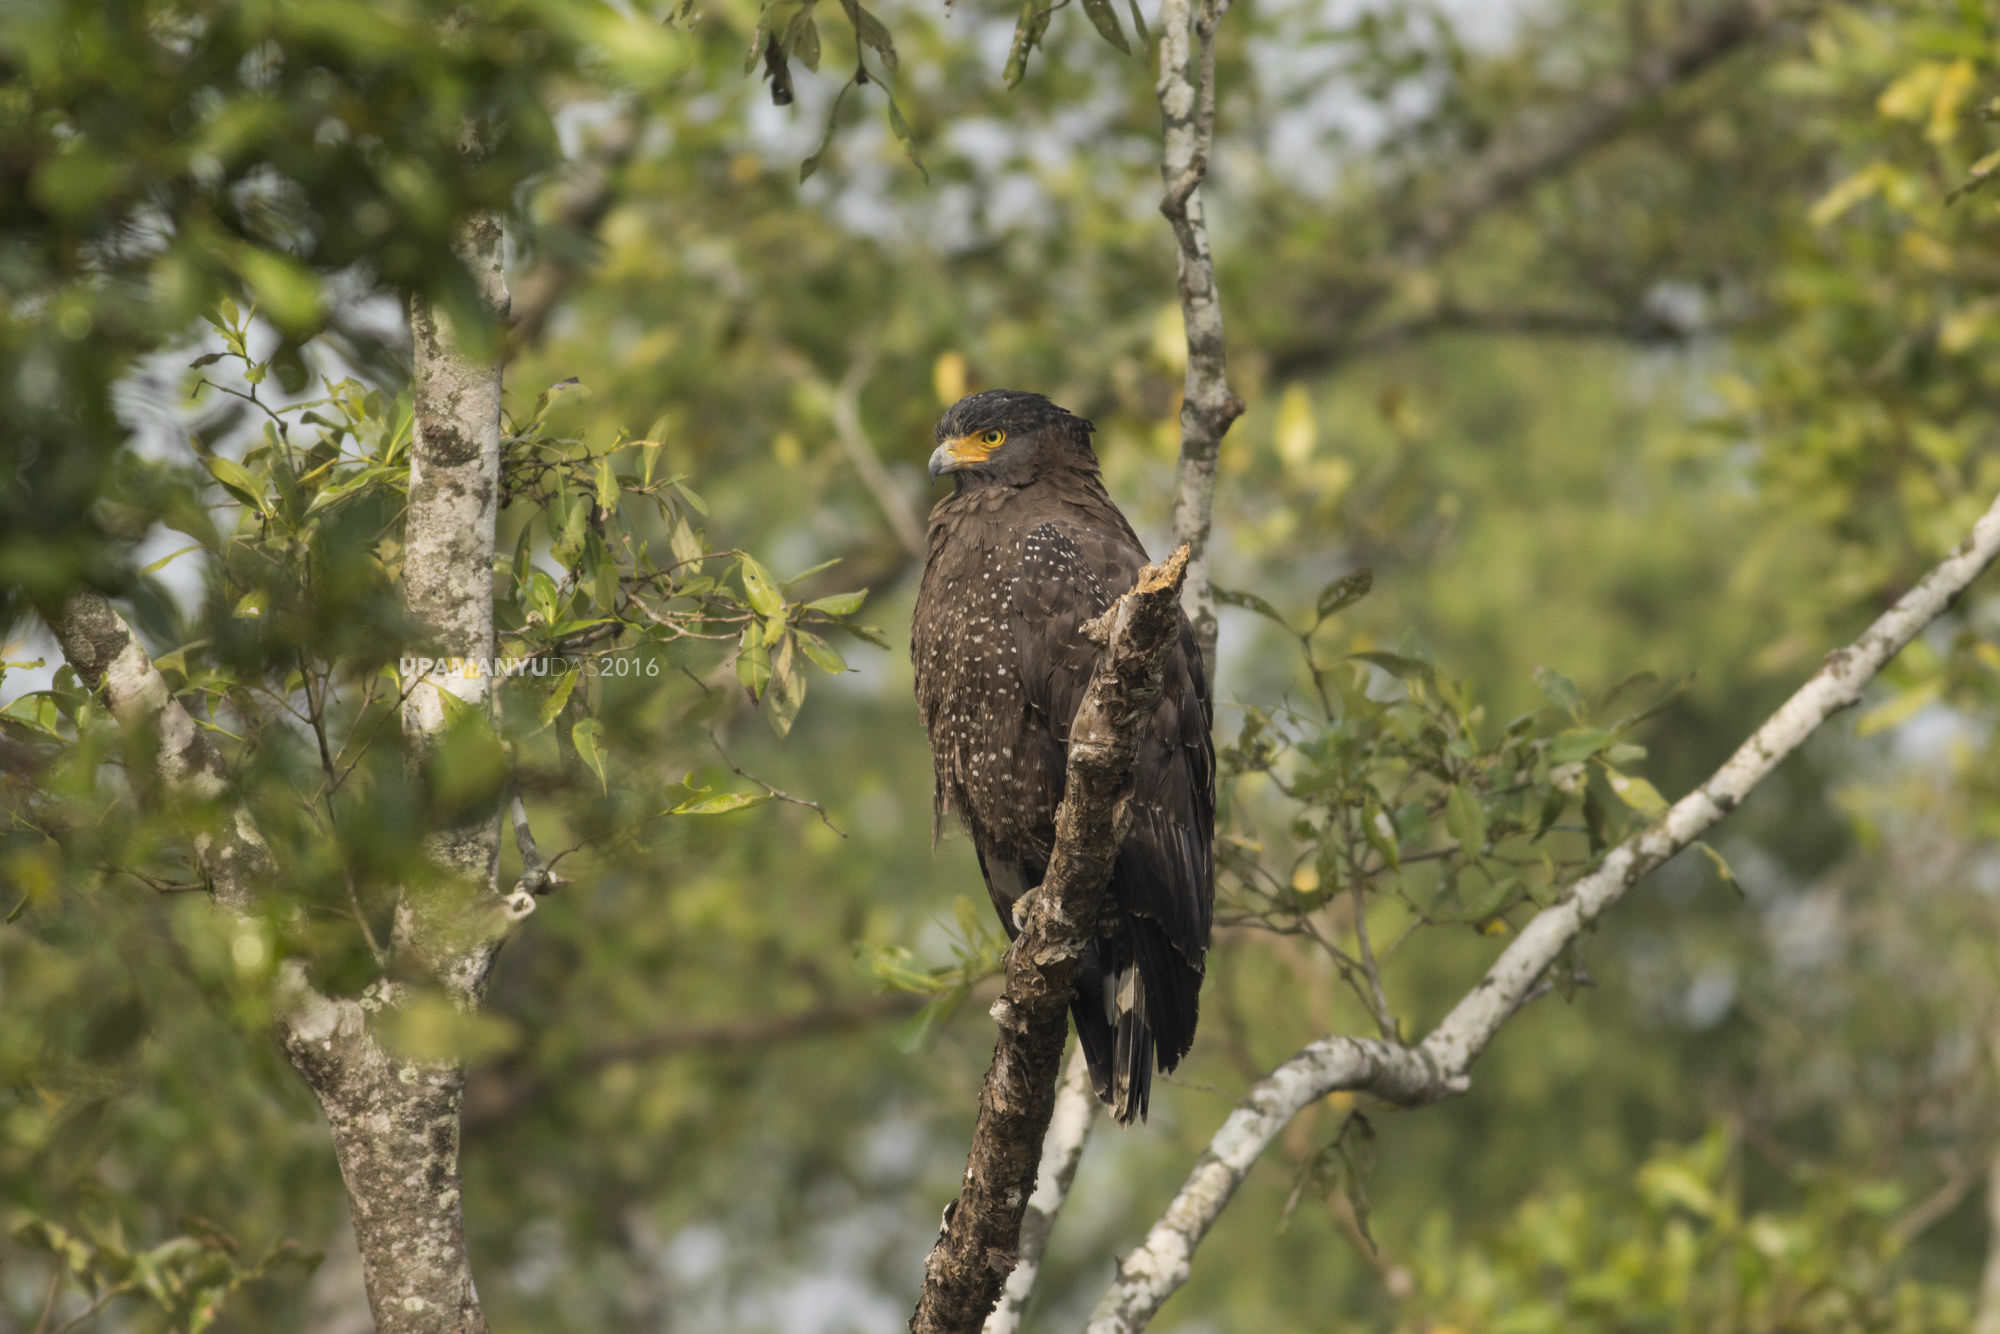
x,y
969,684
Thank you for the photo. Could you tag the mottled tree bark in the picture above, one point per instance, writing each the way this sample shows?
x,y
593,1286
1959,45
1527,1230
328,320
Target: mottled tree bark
x,y
1062,1151
110,660
394,1122
394,1125
448,538
977,1248
1187,114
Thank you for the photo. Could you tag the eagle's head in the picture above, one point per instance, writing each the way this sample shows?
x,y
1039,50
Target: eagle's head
x,y
1008,437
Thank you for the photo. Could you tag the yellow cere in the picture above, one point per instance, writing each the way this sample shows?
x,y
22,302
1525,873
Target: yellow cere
x,y
977,448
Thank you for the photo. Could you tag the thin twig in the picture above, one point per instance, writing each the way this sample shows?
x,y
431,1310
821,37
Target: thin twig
x,y
776,794
56,1276
102,1298
316,718
846,411
535,876
1378,1000
1932,1208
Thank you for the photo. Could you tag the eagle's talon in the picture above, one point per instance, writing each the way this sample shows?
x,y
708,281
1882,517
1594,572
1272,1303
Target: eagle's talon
x,y
1021,907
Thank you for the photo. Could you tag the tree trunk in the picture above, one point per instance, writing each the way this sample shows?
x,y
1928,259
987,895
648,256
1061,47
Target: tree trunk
x,y
395,1131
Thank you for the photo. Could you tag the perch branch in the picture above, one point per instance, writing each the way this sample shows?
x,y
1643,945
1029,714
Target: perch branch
x,y
977,1248
1069,1131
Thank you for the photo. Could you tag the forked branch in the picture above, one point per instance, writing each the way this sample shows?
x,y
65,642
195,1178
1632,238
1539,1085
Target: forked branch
x,y
1438,1066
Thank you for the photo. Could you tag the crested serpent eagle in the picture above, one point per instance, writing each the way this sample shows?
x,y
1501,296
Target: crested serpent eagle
x,y
1026,548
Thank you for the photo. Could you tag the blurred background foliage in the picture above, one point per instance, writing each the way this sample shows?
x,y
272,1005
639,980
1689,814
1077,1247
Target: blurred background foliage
x,y
1693,400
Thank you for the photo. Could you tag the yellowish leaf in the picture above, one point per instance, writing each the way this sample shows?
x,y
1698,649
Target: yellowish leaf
x,y
1898,710
1637,793
1296,432
1862,185
1926,250
1947,101
948,378
1913,94
1170,338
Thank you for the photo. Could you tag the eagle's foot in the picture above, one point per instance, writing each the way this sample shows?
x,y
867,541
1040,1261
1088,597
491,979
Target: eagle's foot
x,y
1023,905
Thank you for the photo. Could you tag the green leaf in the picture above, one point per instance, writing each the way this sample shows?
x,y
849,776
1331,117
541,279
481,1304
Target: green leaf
x,y
692,497
1466,819
759,588
1715,859
1637,793
1139,23
811,164
236,479
1344,592
523,556
1579,743
1249,601
1560,691
720,803
1596,824
1028,30
588,738
870,31
686,545
162,563
839,604
552,705
901,129
1105,19
811,570
607,486
1976,175
1554,802
1672,1185
1396,664
756,51
823,655
753,666
802,39
788,689
604,578
542,596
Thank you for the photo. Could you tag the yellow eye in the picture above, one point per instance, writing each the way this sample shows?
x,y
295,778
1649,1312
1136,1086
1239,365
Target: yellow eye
x,y
992,439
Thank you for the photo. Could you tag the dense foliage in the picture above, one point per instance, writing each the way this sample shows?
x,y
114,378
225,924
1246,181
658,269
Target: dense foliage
x,y
1525,528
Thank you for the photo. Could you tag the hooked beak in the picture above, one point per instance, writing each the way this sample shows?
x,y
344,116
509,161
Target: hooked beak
x,y
964,451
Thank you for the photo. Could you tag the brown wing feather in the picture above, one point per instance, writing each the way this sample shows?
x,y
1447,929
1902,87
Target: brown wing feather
x,y
1001,665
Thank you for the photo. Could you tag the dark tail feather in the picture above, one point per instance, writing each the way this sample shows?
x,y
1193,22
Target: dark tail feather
x,y
1132,1061
1117,1042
